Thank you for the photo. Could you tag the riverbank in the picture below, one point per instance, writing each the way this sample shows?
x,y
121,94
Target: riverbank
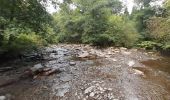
x,y
89,73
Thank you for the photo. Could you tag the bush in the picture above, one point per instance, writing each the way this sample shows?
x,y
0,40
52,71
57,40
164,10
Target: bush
x,y
17,40
149,45
50,36
123,33
166,46
98,40
130,35
23,43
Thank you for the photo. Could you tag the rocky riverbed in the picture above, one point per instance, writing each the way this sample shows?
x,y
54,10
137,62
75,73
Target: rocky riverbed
x,y
82,72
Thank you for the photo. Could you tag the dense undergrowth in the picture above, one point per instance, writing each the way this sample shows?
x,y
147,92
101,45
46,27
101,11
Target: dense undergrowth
x,y
25,25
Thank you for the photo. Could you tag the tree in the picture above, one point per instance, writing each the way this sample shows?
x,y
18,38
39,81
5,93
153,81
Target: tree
x,y
22,19
144,3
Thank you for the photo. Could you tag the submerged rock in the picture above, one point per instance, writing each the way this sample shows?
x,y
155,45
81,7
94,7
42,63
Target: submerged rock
x,y
65,77
60,90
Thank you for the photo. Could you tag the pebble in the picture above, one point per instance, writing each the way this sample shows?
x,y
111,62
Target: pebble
x,y
110,89
138,72
89,89
131,63
114,59
72,63
126,53
84,98
92,94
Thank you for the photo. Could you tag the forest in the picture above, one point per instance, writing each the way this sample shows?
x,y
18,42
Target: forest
x,y
84,49
26,25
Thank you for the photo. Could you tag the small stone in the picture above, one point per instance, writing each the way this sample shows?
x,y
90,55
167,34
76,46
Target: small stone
x,y
2,98
116,51
131,63
110,96
72,63
126,53
36,67
114,59
122,48
84,98
100,88
107,56
138,72
101,92
65,77
84,55
100,98
60,90
75,94
97,84
87,97
105,88
78,97
45,87
134,50
97,97
109,53
89,89
92,94
110,89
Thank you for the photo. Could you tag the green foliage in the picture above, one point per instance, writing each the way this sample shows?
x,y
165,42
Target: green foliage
x,y
153,24
95,22
24,42
24,26
17,41
28,12
167,4
159,28
141,16
98,40
148,45
122,32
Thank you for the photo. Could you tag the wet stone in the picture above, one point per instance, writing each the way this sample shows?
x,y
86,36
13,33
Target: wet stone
x,y
65,77
62,89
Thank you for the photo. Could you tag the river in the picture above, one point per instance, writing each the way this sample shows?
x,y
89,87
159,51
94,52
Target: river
x,y
89,73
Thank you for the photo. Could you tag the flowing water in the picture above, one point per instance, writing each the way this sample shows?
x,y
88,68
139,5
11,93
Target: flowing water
x,y
106,74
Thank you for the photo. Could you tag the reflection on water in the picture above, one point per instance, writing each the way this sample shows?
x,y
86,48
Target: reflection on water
x,y
162,64
158,71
